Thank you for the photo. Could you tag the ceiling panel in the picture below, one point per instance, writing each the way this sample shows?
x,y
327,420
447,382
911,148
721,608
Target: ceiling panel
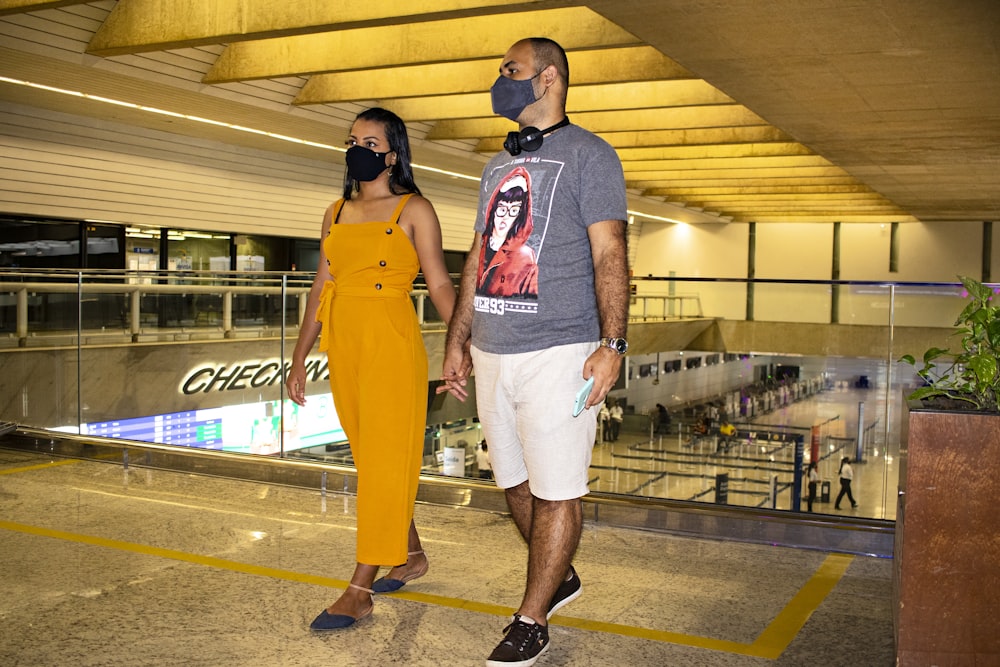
x,y
737,111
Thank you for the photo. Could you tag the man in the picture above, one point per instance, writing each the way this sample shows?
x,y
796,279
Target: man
x,y
727,432
533,352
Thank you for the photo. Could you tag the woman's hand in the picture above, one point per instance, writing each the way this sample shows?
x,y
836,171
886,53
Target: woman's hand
x,y
295,383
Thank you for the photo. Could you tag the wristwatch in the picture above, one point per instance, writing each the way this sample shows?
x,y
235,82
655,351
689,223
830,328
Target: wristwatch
x,y
619,345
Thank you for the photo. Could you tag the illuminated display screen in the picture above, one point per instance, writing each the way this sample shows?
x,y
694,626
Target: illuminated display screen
x,y
253,428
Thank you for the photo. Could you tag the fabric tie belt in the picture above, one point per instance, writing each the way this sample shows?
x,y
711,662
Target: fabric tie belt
x,y
330,290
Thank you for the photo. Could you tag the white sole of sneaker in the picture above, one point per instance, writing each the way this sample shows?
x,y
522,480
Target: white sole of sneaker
x,y
523,663
564,602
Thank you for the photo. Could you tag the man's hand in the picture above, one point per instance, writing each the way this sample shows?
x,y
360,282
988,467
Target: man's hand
x,y
603,365
455,372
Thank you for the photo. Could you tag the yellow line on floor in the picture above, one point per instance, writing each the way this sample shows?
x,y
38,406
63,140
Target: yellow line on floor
x,y
172,554
770,644
786,625
38,466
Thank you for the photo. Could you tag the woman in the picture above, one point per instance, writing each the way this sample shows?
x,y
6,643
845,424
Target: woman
x,y
374,241
846,477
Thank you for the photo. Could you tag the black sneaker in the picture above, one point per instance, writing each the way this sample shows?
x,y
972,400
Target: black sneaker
x,y
568,591
522,644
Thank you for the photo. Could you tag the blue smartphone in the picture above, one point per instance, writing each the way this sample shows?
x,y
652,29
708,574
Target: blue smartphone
x,y
581,396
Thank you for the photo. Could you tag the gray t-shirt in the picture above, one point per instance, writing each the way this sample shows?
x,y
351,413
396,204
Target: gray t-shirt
x,y
535,282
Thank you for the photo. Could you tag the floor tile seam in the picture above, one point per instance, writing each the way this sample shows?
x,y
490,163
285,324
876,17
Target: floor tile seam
x,y
589,625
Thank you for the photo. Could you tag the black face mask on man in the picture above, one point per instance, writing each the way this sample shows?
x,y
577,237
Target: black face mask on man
x,y
364,164
511,96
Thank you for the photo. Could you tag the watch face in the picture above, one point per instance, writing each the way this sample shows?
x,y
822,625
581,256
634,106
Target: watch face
x,y
619,345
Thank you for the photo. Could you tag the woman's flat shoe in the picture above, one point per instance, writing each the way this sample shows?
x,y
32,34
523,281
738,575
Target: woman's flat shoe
x,y
328,621
387,585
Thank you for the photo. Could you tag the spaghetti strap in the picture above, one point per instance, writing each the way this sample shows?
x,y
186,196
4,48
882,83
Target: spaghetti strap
x,y
340,207
399,208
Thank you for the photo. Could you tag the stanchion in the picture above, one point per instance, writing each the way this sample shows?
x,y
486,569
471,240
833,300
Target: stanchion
x,y
859,447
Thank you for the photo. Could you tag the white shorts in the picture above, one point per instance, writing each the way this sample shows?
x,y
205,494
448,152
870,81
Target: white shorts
x,y
525,403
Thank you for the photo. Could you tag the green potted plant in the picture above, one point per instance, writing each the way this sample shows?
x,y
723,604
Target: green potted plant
x,y
971,379
946,556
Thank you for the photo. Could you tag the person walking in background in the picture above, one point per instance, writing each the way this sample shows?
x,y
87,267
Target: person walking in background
x,y
727,434
533,352
846,477
617,416
662,419
483,462
604,422
813,479
373,242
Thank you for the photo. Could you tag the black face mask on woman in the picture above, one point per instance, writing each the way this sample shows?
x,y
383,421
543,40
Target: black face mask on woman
x,y
364,164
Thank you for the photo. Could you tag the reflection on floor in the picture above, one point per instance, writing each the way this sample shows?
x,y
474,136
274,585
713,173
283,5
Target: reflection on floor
x,y
110,566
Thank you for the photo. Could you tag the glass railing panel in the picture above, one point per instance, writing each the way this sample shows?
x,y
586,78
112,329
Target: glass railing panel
x,y
39,366
912,305
792,302
682,298
176,378
863,304
199,360
13,309
929,305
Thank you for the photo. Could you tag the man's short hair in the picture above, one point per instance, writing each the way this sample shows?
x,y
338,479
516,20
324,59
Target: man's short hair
x,y
547,52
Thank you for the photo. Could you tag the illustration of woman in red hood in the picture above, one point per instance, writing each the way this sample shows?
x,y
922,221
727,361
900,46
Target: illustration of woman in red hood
x,y
507,265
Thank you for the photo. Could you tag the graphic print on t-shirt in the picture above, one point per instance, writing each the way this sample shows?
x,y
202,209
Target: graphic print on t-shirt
x,y
516,218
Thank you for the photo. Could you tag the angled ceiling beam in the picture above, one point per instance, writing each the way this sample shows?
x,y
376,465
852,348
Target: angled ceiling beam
x,y
610,121
21,6
718,198
841,179
647,180
740,191
411,44
717,151
617,97
819,208
719,164
634,63
881,206
141,26
827,217
716,136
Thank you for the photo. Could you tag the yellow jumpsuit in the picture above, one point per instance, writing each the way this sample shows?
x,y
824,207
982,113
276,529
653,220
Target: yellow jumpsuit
x,y
378,374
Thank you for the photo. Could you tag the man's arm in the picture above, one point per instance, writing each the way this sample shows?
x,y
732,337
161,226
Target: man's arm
x,y
610,251
457,362
611,285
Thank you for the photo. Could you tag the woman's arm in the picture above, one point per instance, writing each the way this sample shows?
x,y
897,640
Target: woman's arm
x,y
309,328
422,219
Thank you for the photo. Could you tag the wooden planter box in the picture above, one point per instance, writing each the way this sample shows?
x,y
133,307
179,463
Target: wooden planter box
x,y
946,579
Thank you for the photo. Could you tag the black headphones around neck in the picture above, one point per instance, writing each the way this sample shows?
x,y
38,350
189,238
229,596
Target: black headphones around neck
x,y
530,138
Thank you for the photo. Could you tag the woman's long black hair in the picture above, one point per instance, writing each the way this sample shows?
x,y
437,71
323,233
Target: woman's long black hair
x,y
401,175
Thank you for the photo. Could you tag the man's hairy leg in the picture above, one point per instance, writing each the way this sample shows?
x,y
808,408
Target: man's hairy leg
x,y
554,535
521,504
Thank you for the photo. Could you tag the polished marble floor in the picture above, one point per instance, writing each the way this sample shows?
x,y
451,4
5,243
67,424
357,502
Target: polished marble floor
x,y
110,566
